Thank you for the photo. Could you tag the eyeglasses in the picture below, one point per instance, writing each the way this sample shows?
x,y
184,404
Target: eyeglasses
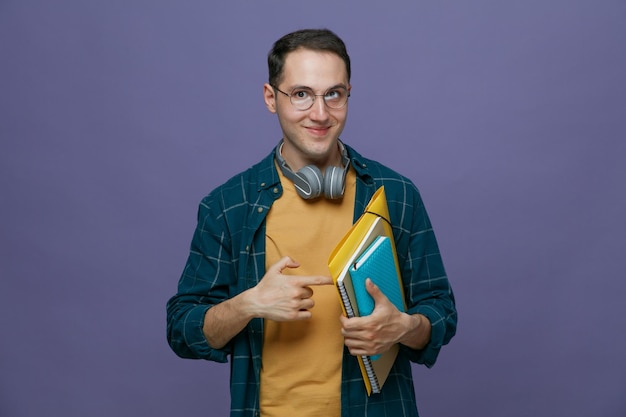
x,y
302,98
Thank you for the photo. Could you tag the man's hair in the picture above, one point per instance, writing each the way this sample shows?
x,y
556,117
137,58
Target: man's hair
x,y
322,40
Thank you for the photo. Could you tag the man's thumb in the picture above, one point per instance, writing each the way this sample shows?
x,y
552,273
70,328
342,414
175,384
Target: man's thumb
x,y
372,289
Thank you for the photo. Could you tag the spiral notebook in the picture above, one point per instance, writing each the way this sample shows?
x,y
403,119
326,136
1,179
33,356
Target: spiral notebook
x,y
373,222
377,263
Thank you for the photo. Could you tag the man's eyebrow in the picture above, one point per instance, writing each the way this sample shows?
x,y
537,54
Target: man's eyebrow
x,y
340,85
306,87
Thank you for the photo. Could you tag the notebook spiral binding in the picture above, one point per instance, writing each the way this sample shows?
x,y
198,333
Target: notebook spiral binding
x,y
367,362
346,300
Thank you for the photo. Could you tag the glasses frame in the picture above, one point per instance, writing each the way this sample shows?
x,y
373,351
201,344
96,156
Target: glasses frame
x,y
315,96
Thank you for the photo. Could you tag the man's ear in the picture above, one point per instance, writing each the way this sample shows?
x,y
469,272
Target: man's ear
x,y
270,97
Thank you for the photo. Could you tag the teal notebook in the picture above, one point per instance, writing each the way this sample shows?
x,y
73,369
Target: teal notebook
x,y
377,263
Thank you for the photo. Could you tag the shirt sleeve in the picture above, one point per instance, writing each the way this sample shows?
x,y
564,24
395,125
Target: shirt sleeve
x,y
204,283
426,284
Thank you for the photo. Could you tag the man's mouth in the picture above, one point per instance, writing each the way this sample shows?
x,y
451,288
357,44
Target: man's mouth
x,y
318,130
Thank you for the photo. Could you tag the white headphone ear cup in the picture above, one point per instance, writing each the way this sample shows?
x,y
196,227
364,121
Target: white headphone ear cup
x,y
312,178
334,184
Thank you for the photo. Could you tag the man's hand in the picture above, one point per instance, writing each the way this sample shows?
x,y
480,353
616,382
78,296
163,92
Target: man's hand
x,y
386,326
277,297
281,297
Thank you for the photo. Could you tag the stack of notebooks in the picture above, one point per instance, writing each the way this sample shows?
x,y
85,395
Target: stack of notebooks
x,y
368,251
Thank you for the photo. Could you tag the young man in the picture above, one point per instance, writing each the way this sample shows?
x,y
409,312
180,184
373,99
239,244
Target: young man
x,y
256,285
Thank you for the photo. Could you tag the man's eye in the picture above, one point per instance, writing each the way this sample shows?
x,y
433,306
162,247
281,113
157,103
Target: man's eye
x,y
300,94
334,94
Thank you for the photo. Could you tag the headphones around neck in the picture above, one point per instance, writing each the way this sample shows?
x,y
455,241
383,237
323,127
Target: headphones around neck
x,y
309,181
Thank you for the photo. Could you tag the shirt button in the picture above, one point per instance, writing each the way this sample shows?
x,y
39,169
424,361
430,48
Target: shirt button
x,y
275,190
260,209
262,184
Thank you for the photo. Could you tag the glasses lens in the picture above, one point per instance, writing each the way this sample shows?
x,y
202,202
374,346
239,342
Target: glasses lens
x,y
336,98
302,98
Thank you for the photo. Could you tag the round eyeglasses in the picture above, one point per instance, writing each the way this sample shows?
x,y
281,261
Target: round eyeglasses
x,y
302,98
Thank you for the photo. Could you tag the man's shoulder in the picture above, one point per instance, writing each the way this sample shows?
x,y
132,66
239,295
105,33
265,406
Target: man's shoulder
x,y
379,172
241,186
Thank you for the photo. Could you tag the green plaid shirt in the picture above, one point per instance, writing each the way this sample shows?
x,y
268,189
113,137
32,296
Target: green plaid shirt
x,y
227,257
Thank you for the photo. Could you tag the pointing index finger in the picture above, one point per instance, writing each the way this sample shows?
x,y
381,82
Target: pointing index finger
x,y
315,280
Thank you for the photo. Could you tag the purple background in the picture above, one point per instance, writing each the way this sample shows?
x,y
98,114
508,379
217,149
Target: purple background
x,y
116,117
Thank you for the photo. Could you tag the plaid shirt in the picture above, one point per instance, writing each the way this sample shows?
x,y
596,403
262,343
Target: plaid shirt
x,y
227,257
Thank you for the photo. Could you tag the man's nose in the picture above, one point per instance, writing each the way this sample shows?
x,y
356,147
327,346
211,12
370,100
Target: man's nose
x,y
319,110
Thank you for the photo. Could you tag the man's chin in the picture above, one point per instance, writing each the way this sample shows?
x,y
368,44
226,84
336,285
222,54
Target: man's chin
x,y
316,150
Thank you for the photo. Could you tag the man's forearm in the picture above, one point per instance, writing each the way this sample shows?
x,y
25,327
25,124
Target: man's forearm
x,y
418,334
224,321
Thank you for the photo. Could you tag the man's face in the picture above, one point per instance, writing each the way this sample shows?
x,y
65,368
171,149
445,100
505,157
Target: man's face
x,y
310,135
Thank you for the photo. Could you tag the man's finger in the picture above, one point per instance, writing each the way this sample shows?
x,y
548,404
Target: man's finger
x,y
314,280
285,262
374,291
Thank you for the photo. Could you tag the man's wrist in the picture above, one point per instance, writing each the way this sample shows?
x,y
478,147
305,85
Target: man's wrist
x,y
417,334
